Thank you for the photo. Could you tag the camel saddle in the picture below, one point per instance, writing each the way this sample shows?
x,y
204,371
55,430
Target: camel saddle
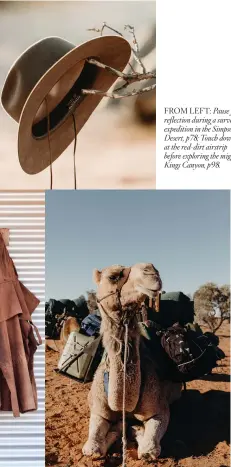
x,y
180,353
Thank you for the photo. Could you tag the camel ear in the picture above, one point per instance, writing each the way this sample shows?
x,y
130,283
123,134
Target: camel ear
x,y
96,276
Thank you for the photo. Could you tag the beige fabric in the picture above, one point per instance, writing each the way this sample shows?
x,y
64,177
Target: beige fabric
x,y
17,341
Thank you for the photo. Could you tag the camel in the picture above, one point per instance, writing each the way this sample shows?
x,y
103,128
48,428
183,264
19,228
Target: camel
x,y
69,324
120,293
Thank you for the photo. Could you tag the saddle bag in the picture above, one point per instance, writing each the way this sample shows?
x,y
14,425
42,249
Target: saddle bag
x,y
81,356
91,325
192,352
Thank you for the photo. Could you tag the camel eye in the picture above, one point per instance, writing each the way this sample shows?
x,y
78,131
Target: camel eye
x,y
116,277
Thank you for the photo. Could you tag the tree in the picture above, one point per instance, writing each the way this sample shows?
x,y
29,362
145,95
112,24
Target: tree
x,y
91,301
212,305
225,304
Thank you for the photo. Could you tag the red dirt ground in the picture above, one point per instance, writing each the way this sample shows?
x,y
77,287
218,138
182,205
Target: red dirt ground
x,y
198,434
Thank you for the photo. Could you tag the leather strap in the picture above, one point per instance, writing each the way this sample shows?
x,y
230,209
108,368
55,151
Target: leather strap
x,y
39,341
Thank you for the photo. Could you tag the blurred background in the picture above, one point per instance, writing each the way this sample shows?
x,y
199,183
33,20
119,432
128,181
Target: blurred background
x,y
116,147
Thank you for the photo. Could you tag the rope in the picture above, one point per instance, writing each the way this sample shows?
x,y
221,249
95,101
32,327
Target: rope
x,y
49,143
126,348
124,439
74,159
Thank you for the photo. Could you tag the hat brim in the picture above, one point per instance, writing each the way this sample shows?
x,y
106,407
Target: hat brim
x,y
34,154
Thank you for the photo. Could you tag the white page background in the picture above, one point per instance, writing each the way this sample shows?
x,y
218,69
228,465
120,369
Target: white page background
x,y
193,69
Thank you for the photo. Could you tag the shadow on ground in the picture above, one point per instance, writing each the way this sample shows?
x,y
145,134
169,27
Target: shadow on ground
x,y
198,423
216,377
198,434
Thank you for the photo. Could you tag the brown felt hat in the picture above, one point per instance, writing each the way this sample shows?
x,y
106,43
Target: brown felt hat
x,y
47,80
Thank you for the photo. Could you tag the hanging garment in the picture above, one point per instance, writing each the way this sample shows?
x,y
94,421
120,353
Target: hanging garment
x,y
17,341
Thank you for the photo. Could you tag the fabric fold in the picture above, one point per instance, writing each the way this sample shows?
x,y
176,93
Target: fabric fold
x,y
17,341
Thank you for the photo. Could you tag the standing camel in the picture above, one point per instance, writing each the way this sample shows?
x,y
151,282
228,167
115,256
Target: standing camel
x,y
120,292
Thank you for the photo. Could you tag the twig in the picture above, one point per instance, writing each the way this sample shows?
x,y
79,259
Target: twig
x,y
115,72
123,86
105,25
127,78
114,94
135,49
131,77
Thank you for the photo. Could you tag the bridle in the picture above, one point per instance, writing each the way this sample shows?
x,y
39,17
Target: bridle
x,y
124,318
124,313
122,325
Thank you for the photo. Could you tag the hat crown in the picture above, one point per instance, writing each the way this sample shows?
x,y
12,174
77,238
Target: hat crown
x,y
29,69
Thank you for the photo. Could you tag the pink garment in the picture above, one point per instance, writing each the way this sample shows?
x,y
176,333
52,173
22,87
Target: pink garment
x,y
17,342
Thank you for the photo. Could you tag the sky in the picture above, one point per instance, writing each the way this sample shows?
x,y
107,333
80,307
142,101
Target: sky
x,y
185,234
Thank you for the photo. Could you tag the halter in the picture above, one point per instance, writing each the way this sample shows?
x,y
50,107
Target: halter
x,y
124,317
121,325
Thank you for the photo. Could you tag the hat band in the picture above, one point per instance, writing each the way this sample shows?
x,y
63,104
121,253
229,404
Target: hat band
x,y
68,104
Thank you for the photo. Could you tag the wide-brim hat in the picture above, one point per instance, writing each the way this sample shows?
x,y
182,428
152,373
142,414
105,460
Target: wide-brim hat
x,y
42,92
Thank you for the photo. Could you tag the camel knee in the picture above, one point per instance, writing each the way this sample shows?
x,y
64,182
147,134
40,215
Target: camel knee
x,y
149,447
98,426
96,445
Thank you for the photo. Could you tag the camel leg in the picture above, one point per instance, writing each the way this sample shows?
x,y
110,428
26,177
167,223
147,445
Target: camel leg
x,y
97,439
174,393
149,440
113,434
137,433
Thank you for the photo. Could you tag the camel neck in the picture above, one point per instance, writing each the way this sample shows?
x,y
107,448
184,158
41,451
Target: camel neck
x,y
113,341
113,332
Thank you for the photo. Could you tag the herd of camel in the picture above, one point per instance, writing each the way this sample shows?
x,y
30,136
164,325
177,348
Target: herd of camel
x,y
120,293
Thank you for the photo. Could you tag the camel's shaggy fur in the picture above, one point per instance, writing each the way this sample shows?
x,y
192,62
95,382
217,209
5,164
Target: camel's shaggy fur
x,y
69,325
147,398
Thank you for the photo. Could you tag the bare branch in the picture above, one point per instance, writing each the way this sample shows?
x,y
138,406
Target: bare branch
x,y
135,49
115,72
114,95
94,29
133,69
131,77
127,78
105,25
123,86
